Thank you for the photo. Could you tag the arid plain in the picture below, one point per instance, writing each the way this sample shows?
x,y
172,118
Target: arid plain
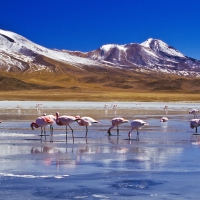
x,y
69,84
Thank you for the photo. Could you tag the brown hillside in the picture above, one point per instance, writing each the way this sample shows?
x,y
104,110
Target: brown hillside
x,y
59,80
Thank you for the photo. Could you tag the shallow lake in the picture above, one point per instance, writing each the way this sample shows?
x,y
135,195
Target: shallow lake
x,y
163,164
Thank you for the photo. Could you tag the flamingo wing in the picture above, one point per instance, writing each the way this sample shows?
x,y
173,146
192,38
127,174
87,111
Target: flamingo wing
x,y
89,119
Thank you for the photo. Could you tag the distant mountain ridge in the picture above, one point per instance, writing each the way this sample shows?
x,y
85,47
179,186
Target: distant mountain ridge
x,y
153,54
20,54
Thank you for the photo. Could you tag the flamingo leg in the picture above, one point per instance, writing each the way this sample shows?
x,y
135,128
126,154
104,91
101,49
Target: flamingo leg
x,y
44,133
117,130
66,133
72,131
51,133
41,134
86,131
137,138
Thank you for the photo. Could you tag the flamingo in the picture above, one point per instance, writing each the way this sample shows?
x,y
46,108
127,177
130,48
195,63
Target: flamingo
x,y
164,119
38,104
194,112
136,124
86,121
106,106
51,126
65,120
114,106
42,122
194,123
116,122
166,107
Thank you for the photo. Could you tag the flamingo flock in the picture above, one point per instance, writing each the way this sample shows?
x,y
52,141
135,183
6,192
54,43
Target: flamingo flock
x,y
64,120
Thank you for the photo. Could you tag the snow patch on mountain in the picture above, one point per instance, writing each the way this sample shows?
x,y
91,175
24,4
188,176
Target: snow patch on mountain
x,y
15,44
158,45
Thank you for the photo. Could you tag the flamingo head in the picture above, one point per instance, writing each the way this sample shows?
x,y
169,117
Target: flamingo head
x,y
145,124
191,126
32,125
109,133
77,118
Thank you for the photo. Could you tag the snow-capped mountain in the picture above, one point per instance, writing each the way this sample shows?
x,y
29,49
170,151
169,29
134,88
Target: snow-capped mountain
x,y
20,54
153,54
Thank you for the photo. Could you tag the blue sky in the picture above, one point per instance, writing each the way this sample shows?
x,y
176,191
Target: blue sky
x,y
85,25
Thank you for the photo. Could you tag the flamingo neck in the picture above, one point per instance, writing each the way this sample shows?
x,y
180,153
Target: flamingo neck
x,y
129,135
57,119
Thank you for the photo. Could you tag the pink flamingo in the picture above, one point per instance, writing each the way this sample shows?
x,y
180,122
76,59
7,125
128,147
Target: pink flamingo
x,y
194,123
164,119
42,122
51,126
65,120
116,122
194,112
86,121
136,124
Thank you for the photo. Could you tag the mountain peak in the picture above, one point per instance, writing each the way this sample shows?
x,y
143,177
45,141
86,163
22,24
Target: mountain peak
x,y
159,46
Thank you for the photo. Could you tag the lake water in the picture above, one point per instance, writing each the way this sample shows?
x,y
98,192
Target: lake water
x,y
163,164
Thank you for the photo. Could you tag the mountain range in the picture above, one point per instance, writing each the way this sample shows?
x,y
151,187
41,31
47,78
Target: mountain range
x,y
130,66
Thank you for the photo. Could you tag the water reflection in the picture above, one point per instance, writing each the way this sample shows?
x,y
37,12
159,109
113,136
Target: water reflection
x,y
164,127
109,155
44,149
195,139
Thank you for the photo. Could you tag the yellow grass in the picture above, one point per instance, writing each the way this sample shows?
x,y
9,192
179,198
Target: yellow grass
x,y
62,95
